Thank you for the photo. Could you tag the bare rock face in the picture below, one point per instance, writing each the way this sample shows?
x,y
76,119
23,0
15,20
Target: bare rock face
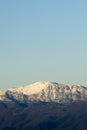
x,y
45,92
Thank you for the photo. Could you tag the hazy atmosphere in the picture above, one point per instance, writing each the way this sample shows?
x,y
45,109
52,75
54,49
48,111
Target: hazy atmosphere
x,y
43,41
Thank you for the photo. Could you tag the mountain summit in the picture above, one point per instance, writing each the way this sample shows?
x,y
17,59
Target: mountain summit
x,y
45,92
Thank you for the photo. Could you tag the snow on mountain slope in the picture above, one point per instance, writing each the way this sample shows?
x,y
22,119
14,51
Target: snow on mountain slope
x,y
33,88
3,97
46,92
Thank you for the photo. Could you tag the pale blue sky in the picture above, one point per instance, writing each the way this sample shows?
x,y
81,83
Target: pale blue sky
x,y
43,40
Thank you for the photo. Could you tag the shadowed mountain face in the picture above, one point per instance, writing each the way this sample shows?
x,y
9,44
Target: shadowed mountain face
x,y
43,116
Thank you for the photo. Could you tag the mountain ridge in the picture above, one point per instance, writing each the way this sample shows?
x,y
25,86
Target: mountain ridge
x,y
45,92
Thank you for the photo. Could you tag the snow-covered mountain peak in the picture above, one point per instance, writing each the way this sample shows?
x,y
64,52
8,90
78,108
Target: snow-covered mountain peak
x,y
47,92
34,88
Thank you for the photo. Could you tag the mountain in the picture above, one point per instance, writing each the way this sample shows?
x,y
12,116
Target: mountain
x,y
45,92
44,106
